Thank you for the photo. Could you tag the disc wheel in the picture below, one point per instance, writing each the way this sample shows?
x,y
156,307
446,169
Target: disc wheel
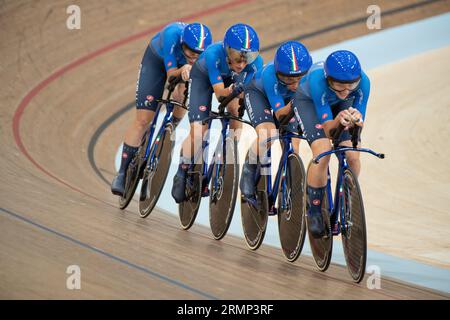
x,y
291,209
155,174
354,235
223,188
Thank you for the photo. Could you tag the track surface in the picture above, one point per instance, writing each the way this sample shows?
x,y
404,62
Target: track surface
x,y
59,86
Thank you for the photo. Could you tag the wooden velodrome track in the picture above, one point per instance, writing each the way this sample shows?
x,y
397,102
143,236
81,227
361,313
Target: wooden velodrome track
x,y
59,86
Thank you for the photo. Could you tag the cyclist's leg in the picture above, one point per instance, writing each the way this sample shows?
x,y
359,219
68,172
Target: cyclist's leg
x,y
296,145
189,150
136,130
257,155
200,95
233,108
292,126
150,86
352,157
192,144
260,115
318,172
236,126
305,113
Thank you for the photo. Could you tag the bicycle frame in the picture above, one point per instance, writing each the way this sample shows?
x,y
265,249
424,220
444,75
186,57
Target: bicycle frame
x,y
224,133
151,132
335,208
167,118
170,105
207,169
287,149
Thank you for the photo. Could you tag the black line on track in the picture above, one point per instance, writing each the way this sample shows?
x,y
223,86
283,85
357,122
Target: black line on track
x,y
111,256
349,23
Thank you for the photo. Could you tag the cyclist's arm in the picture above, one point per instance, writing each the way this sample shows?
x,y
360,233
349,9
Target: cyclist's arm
x,y
215,77
323,109
318,92
174,71
344,117
220,90
270,87
362,96
327,126
170,60
177,71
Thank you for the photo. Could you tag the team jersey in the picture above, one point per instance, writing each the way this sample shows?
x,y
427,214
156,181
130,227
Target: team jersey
x,y
267,82
213,62
314,85
167,44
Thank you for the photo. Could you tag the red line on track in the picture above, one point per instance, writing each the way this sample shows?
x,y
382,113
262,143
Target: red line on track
x,y
58,73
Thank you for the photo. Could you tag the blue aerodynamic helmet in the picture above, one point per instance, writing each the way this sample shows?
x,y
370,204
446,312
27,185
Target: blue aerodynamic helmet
x,y
292,59
242,39
343,66
197,37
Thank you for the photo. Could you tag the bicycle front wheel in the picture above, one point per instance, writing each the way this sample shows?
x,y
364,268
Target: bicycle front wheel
x,y
291,209
156,173
223,186
354,235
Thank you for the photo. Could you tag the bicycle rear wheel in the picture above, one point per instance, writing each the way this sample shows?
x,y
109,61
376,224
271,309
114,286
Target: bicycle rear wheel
x,y
224,187
354,236
291,209
155,173
132,177
321,248
254,219
187,210
131,182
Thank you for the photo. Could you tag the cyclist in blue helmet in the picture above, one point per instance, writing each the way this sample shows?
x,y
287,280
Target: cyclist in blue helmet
x,y
333,92
171,52
268,101
223,68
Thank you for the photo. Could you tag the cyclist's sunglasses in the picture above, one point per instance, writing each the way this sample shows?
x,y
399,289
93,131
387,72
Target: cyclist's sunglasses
x,y
353,85
189,53
292,79
237,56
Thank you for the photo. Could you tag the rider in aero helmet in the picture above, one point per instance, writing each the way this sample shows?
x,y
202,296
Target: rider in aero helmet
x,y
196,37
292,59
241,39
268,101
343,66
334,93
171,52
